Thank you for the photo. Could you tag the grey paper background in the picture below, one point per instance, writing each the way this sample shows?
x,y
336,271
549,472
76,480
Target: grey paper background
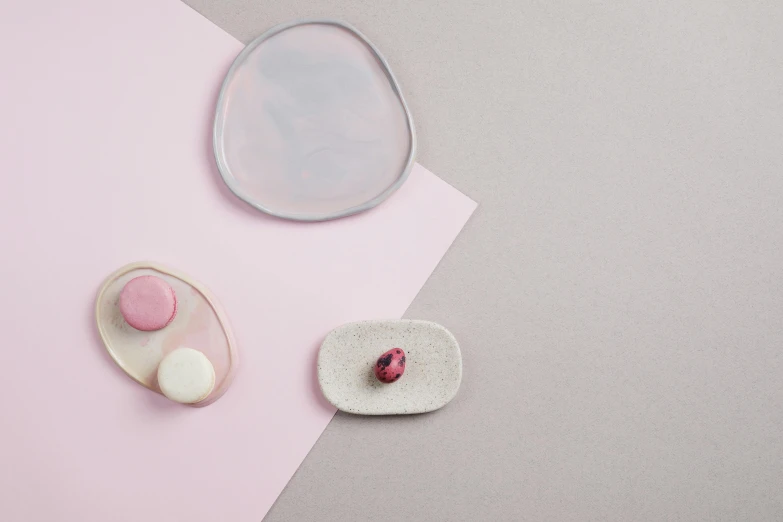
x,y
619,293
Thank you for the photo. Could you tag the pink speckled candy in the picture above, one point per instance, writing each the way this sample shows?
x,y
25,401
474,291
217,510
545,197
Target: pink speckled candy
x,y
148,303
390,365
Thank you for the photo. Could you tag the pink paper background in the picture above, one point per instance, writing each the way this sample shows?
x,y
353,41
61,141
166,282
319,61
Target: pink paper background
x,y
106,110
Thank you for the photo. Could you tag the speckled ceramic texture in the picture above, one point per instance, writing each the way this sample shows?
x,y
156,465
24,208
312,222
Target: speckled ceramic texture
x,y
432,375
311,124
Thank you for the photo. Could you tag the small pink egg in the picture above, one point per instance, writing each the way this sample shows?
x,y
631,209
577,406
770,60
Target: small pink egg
x,y
148,303
390,365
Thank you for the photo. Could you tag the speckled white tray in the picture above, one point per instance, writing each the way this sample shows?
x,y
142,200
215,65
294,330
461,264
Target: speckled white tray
x,y
432,376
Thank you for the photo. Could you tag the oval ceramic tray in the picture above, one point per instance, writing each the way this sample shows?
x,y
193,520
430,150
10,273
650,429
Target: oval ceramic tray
x,y
311,124
199,324
433,370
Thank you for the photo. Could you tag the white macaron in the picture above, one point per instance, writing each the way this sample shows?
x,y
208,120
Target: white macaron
x,y
186,376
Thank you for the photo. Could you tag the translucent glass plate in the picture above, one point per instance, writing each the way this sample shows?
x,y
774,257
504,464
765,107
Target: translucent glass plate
x,y
200,324
311,124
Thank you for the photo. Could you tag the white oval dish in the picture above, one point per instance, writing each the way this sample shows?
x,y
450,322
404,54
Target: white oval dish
x,y
200,324
433,369
311,125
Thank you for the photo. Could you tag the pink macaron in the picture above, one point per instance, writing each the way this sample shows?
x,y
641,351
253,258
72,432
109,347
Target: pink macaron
x,y
148,303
